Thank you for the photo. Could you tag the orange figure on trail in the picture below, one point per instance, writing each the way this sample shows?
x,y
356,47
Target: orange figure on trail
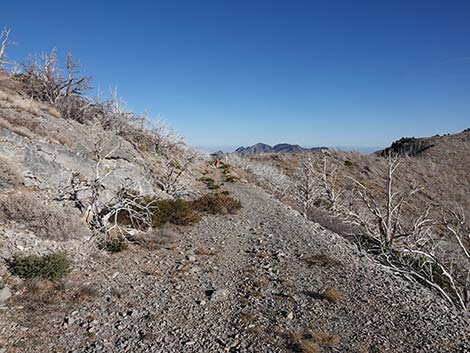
x,y
217,163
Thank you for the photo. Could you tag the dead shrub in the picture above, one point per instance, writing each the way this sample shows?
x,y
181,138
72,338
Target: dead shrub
x,y
83,293
155,238
216,204
46,221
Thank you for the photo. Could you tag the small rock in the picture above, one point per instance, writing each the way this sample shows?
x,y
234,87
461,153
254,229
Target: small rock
x,y
191,258
219,294
290,316
5,294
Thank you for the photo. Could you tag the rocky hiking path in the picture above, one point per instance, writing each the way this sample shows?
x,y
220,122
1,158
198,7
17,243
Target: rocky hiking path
x,y
263,280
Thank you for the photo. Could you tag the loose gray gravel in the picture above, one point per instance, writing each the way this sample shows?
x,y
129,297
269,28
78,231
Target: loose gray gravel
x,y
246,295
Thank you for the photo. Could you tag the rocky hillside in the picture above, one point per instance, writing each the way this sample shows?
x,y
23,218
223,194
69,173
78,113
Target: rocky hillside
x,y
279,148
264,280
411,146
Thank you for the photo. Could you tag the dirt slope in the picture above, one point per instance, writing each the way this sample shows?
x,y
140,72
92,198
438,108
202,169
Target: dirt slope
x,y
236,284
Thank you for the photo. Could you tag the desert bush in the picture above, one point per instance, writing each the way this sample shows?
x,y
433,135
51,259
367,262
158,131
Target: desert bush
x,y
46,221
113,244
216,204
210,183
177,212
53,266
230,178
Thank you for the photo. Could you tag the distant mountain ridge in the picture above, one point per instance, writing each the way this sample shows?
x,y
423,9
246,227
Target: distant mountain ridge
x,y
279,148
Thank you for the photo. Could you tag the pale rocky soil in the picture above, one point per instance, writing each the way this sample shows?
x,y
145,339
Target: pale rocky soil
x,y
245,292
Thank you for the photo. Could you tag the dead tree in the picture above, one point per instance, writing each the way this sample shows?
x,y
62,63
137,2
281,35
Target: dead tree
x,y
383,221
407,242
271,178
306,189
167,172
4,43
45,81
330,188
455,223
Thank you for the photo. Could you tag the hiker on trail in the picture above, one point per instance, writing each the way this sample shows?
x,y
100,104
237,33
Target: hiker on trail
x,y
217,163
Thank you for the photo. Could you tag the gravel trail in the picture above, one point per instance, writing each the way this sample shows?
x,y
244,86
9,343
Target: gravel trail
x,y
250,282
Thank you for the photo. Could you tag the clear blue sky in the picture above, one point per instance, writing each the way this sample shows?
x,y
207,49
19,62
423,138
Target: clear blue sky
x,y
227,73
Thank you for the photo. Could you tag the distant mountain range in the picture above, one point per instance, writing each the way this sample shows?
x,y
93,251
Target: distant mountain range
x,y
279,148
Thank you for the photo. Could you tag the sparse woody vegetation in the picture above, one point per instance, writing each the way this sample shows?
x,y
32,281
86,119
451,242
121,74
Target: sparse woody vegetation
x,y
52,266
384,218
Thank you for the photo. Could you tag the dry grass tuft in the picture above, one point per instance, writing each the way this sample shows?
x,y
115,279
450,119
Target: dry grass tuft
x,y
310,341
19,130
325,338
307,346
333,295
155,238
322,261
14,101
46,221
302,343
38,295
8,174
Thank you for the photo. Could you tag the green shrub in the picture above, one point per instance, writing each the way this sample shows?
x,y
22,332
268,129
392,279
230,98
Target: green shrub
x,y
229,178
178,212
324,203
113,245
216,204
210,183
52,266
348,163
